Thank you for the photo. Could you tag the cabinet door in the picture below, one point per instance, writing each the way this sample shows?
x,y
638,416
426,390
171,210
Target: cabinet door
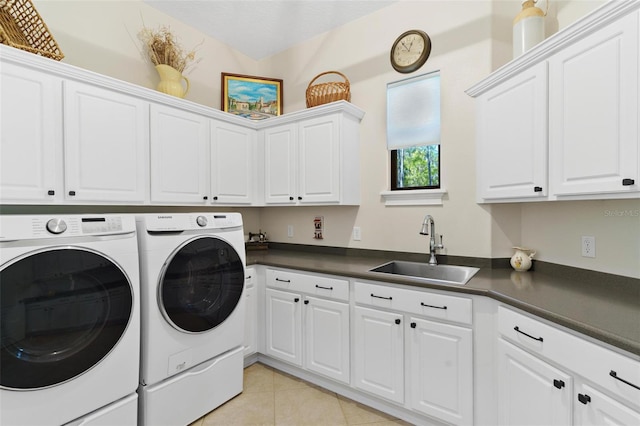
x,y
30,136
441,370
379,353
594,112
319,160
251,313
530,391
327,338
512,138
280,165
106,141
179,156
594,408
232,164
284,326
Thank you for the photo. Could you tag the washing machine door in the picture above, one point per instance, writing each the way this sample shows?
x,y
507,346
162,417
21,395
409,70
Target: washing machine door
x,y
201,284
62,310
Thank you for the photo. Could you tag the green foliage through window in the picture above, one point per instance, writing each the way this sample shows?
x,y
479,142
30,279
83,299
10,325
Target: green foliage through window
x,y
415,167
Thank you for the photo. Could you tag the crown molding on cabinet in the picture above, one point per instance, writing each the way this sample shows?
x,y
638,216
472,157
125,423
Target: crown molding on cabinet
x,y
591,23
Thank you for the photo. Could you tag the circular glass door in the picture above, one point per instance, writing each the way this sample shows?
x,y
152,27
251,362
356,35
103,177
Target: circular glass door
x,y
201,284
62,311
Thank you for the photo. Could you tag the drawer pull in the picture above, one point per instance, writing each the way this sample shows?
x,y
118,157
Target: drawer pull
x,y
516,328
615,376
324,288
559,384
432,306
585,399
381,297
283,281
248,277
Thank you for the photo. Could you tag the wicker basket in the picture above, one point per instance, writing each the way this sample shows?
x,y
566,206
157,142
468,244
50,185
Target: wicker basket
x,y
323,93
22,27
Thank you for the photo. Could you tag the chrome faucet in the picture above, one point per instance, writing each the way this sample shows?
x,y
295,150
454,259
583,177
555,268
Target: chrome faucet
x,y
428,219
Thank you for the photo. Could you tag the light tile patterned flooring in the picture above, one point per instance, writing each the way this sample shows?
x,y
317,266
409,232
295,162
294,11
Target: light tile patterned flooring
x,y
271,397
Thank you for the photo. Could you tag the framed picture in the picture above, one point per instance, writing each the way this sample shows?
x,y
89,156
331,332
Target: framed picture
x,y
256,98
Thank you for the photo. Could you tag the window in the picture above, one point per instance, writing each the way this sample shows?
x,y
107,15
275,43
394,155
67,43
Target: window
x,y
413,132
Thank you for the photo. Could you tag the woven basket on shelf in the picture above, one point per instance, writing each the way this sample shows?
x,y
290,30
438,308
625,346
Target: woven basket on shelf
x,y
323,93
22,27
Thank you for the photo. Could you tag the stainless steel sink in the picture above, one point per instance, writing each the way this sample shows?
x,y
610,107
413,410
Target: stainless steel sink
x,y
437,274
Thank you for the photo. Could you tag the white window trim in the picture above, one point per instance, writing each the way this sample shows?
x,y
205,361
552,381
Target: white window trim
x,y
416,197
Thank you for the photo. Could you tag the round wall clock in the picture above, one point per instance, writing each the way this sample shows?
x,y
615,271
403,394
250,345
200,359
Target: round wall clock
x,y
410,51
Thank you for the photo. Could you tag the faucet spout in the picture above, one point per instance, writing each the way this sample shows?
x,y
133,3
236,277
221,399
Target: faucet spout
x,y
429,228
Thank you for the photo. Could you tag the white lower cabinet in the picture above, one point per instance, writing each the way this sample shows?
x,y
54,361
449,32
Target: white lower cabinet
x,y
326,336
551,377
530,390
379,353
251,312
304,326
440,373
284,326
594,408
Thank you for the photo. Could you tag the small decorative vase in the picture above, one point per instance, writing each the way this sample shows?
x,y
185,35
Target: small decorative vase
x,y
171,81
521,259
528,27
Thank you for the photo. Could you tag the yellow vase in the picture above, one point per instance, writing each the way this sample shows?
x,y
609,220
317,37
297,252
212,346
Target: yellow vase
x,y
171,81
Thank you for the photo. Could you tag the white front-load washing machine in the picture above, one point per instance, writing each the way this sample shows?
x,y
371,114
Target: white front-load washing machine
x,y
69,319
192,278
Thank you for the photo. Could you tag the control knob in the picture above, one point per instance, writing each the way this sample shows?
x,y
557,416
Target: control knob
x,y
56,226
201,221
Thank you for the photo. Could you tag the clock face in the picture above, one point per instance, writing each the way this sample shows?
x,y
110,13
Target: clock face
x,y
410,51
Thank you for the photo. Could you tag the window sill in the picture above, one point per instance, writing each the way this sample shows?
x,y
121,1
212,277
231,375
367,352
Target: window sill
x,y
418,197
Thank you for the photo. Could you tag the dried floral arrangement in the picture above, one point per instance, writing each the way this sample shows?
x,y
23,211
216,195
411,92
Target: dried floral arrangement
x,y
162,47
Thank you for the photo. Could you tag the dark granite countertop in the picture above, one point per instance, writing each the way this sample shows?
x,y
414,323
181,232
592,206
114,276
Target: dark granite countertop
x,y
603,306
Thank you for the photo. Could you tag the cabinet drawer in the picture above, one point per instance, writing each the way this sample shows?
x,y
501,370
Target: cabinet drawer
x,y
587,359
423,303
328,287
250,277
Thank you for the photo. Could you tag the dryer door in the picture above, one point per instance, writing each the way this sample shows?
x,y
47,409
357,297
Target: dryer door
x,y
62,310
201,284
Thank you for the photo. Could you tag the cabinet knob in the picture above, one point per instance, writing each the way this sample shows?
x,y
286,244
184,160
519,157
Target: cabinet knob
x,y
299,198
537,189
297,299
585,399
205,198
72,193
628,182
51,192
290,198
306,302
559,384
398,321
413,325
215,198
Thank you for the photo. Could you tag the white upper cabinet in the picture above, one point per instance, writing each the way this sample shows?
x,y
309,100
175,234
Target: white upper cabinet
x,y
233,164
105,145
280,164
565,113
314,157
593,93
512,138
179,156
30,135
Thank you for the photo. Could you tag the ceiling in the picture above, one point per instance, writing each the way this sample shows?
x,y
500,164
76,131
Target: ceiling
x,y
262,28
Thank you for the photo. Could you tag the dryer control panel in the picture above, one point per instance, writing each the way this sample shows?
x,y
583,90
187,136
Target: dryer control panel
x,y
31,227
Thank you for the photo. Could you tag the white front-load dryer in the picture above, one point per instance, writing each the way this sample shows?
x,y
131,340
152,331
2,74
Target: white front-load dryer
x,y
192,278
69,318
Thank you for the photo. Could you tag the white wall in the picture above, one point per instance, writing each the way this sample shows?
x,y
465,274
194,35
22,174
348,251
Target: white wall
x,y
470,39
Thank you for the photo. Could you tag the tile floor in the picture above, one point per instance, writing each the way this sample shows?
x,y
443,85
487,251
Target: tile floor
x,y
271,397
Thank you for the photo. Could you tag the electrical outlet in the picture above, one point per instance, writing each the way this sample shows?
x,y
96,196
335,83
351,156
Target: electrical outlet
x,y
290,231
588,246
357,233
